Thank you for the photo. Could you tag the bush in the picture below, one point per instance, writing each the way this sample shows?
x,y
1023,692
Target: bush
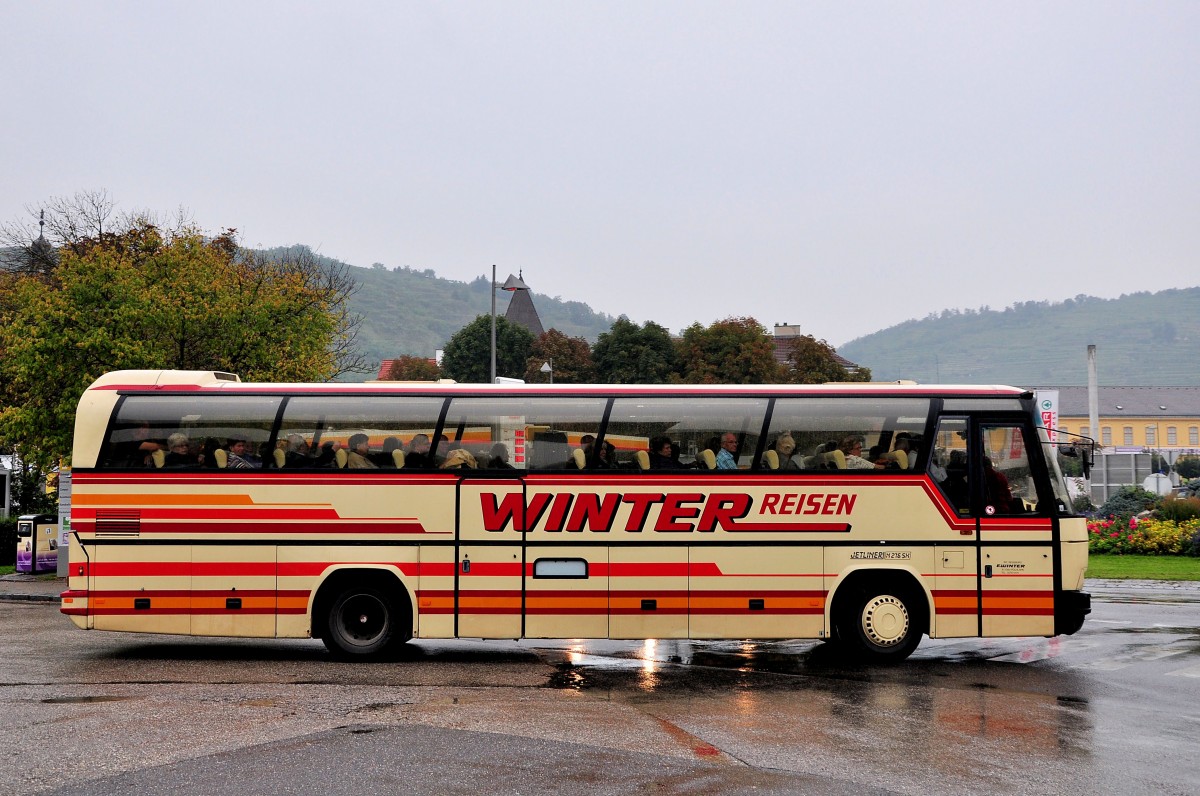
x,y
1179,509
1129,501
1193,548
1082,504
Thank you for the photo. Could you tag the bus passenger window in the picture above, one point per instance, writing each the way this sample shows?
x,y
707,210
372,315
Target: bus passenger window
x,y
948,464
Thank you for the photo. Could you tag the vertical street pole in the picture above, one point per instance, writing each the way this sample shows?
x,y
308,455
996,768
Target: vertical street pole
x,y
493,371
1093,409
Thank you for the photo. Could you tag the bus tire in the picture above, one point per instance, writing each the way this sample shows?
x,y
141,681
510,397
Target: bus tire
x,y
363,622
881,624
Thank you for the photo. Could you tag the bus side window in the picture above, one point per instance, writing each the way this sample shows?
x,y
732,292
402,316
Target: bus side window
x,y
948,463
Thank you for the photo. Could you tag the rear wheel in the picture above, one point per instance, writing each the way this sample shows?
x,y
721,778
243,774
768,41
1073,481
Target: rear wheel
x,y
364,622
881,624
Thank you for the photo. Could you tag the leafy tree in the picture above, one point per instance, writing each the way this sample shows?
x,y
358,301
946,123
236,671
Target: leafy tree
x,y
142,298
570,357
409,368
813,361
732,351
1188,466
629,354
467,356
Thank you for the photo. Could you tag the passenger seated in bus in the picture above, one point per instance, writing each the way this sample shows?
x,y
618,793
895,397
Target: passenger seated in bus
x,y
606,457
785,448
905,441
955,482
384,457
238,458
296,453
179,452
881,459
999,494
326,454
360,450
458,459
498,457
661,454
417,455
585,444
852,447
727,455
206,454
136,452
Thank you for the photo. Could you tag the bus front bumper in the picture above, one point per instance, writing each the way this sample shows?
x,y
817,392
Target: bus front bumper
x,y
1071,608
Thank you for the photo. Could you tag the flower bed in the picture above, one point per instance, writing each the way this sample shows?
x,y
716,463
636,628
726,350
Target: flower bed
x,y
1144,536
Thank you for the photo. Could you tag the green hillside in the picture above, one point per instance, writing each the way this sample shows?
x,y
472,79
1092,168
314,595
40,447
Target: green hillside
x,y
1140,339
407,311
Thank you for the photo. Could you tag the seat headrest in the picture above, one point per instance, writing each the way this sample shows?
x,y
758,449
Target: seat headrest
x,y
579,457
837,458
772,459
159,457
221,457
280,457
643,460
341,457
398,458
709,459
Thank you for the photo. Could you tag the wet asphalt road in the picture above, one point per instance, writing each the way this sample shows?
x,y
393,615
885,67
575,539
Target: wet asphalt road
x,y
1113,709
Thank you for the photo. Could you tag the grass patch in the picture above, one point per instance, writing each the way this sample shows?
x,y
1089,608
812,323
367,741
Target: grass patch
x,y
1144,567
8,569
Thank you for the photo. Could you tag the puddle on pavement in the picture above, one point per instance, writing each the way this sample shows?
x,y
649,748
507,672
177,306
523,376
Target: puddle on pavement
x,y
84,700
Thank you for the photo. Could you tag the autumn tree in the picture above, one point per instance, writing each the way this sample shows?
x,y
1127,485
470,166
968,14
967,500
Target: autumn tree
x,y
732,351
144,299
813,361
467,356
570,358
632,354
409,368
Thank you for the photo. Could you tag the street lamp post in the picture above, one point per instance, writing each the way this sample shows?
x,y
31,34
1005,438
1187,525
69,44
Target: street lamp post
x,y
511,284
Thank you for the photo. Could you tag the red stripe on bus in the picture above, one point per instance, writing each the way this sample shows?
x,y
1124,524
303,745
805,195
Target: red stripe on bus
x,y
802,527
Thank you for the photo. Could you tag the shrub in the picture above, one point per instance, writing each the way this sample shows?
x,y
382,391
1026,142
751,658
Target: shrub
x,y
1179,509
1082,504
1128,501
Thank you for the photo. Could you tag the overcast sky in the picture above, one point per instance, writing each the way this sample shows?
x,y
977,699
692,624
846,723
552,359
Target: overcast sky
x,y
840,166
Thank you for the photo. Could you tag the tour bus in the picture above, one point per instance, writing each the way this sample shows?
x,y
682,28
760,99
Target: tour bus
x,y
866,515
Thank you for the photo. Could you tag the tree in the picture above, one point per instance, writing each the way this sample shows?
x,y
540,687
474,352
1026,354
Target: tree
x,y
467,356
629,354
570,357
407,368
813,361
1188,466
732,351
144,299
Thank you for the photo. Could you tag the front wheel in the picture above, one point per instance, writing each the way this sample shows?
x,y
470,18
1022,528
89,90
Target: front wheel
x,y
363,622
882,624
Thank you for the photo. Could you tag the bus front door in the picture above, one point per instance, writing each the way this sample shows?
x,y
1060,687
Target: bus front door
x,y
1016,537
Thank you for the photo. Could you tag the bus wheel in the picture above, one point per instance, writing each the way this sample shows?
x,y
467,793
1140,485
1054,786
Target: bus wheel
x,y
882,624
363,622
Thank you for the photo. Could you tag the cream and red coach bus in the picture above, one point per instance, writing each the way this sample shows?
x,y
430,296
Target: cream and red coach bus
x,y
369,514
